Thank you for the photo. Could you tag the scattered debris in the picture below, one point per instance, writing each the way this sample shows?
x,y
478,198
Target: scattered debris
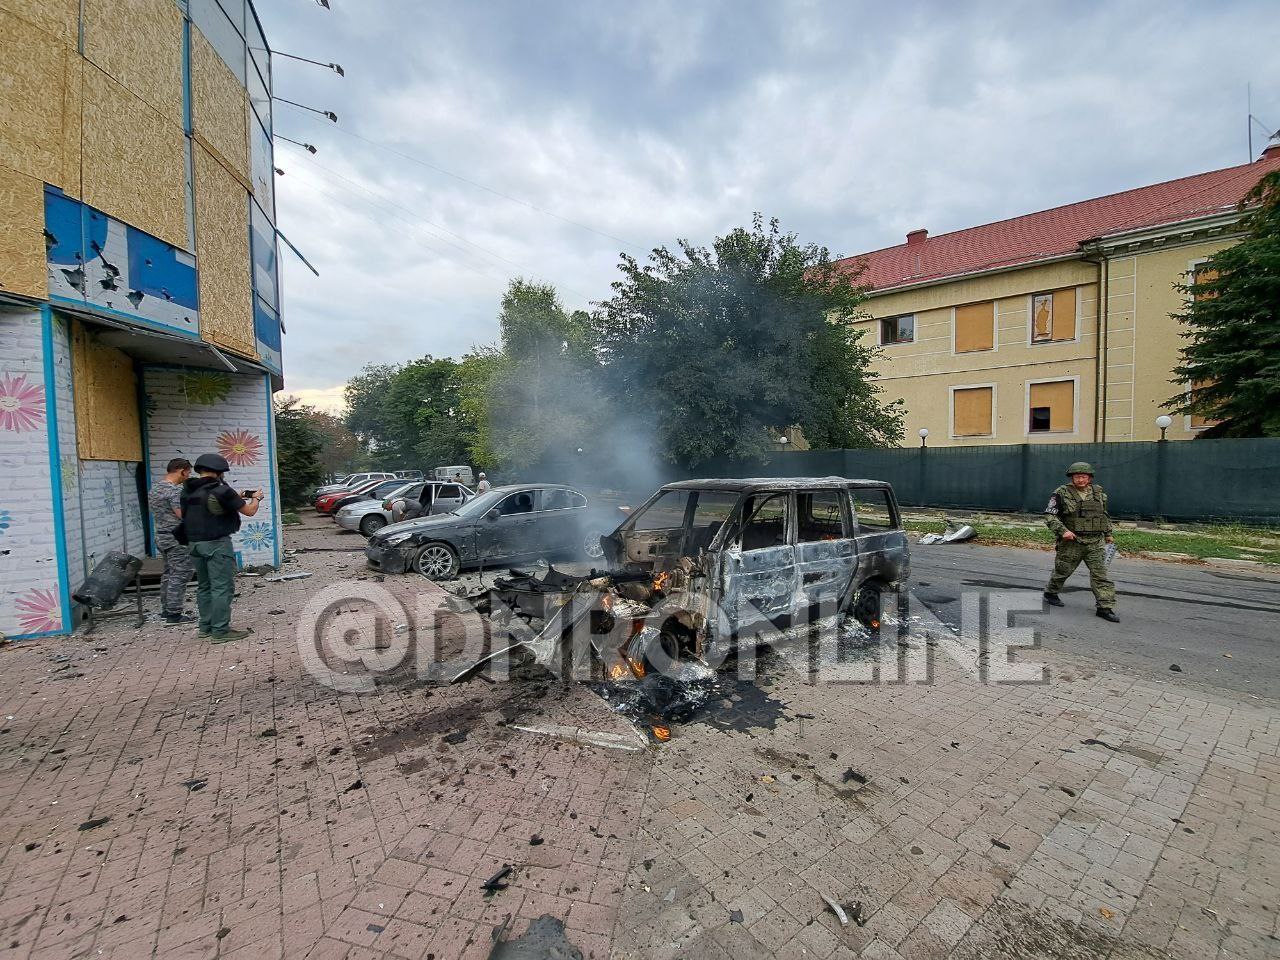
x,y
458,736
544,940
854,775
1175,668
222,932
281,578
498,881
32,846
354,786
196,784
1000,843
670,896
1106,912
857,913
954,533
837,910
269,732
275,613
536,840
374,927
92,824
735,916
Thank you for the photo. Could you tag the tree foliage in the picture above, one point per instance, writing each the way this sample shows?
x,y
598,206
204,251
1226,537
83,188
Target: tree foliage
x,y
299,443
723,347
1233,327
410,415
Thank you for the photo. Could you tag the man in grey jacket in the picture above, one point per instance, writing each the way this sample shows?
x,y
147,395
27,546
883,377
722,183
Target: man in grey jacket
x,y
165,498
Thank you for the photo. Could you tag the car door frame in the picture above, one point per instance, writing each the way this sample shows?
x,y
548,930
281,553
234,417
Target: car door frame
x,y
504,529
745,572
826,567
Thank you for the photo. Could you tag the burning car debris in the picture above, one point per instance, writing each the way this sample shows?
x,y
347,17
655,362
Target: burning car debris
x,y
700,567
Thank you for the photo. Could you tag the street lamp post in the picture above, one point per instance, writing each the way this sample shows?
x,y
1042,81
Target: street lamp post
x,y
924,436
1164,422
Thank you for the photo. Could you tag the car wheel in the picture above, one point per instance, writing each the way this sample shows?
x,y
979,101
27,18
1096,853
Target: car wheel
x,y
866,607
372,524
437,561
591,548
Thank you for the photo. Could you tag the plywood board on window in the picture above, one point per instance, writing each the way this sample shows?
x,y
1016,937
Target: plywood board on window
x,y
219,107
106,399
22,263
134,160
1064,314
972,412
139,44
975,327
222,256
1060,397
33,66
58,18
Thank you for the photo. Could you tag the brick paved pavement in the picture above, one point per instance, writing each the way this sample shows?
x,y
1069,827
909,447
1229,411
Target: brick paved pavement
x,y
249,812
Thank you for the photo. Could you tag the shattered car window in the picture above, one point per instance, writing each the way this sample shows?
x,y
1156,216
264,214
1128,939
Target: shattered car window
x,y
821,516
712,510
562,500
872,508
766,521
665,513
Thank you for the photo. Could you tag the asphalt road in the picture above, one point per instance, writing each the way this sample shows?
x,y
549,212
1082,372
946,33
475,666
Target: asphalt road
x,y
1192,616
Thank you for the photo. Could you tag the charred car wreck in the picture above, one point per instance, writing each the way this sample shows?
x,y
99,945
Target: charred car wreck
x,y
702,566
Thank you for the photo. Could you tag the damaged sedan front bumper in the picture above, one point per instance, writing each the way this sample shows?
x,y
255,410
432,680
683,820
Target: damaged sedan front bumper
x,y
389,557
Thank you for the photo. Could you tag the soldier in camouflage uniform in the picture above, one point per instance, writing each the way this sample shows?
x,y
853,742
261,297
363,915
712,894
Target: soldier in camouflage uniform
x,y
1077,514
165,499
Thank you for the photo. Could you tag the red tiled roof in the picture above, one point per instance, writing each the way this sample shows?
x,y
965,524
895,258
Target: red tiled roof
x,y
1060,231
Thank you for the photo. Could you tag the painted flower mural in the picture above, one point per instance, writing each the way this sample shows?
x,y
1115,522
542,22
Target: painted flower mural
x,y
257,536
21,403
39,611
240,447
4,521
206,387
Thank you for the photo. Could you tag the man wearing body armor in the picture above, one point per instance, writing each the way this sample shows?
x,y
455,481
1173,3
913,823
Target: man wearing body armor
x,y
1077,514
211,512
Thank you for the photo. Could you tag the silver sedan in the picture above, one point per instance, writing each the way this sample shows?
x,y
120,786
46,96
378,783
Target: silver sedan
x,y
370,516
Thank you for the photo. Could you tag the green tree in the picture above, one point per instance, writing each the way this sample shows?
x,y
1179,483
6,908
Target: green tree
x,y
409,415
1233,327
541,389
723,346
298,447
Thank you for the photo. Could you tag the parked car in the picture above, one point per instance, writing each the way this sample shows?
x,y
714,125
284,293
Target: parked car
x,y
376,493
459,474
432,497
705,564
351,481
370,516
325,502
495,529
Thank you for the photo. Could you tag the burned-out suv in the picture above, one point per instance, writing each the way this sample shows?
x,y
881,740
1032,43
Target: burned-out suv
x,y
704,564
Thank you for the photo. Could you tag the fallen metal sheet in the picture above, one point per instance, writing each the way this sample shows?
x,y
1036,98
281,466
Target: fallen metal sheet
x,y
954,533
287,576
592,738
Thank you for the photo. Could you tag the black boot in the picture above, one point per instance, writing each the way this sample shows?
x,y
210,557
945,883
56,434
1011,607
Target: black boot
x,y
1053,600
1106,613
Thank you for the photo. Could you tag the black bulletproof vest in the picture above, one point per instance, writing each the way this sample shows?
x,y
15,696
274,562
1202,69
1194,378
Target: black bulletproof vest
x,y
204,517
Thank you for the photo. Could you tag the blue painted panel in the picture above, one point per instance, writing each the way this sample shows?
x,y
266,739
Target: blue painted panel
x,y
100,263
266,331
265,262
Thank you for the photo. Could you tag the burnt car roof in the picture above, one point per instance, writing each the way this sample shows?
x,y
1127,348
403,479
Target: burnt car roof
x,y
748,484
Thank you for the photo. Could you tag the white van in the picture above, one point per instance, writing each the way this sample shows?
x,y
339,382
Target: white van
x,y
460,474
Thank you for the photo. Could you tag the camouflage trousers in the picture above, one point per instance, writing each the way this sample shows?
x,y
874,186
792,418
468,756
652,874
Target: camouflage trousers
x,y
178,571
1092,552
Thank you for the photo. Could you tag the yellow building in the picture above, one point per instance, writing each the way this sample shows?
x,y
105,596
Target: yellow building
x,y
1054,326
139,297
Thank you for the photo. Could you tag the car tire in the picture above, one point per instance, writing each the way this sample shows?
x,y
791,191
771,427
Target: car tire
x,y
372,524
437,561
866,607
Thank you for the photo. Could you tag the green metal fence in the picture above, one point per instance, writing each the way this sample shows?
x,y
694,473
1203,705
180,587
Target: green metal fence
x,y
1177,480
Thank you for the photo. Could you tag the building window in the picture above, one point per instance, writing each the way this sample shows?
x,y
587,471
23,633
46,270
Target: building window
x,y
975,327
1198,421
1053,316
1052,407
898,329
971,411
1203,273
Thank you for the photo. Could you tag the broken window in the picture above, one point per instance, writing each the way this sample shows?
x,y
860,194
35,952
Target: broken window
x,y
665,513
562,500
821,516
1052,407
765,521
873,509
1040,419
898,329
516,503
1053,316
712,509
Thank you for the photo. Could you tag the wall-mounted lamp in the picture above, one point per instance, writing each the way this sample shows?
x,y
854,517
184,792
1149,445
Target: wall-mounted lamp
x,y
298,143
302,106
924,435
1164,422
335,67
279,172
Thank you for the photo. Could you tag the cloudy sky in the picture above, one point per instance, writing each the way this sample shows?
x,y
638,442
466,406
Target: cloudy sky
x,y
487,139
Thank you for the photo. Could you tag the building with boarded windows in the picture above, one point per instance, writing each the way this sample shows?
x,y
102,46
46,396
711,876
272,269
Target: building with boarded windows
x,y
1054,326
139,299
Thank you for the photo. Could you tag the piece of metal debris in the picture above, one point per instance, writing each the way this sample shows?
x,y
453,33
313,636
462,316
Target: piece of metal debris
x,y
735,916
837,910
498,881
857,912
853,775
91,824
591,738
281,578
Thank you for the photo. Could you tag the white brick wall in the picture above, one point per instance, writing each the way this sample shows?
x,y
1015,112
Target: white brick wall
x,y
30,588
111,514
190,412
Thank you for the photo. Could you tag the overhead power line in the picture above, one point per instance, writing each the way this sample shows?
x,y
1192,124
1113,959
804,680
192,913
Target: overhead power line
x,y
480,186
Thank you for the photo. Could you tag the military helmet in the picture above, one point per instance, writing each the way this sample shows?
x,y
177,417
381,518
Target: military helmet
x,y
212,461
1078,467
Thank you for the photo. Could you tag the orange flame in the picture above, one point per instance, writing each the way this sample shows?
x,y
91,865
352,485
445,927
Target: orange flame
x,y
661,580
637,668
617,672
662,734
